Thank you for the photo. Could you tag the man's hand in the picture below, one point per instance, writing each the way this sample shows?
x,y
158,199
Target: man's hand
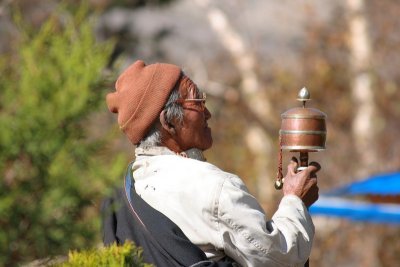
x,y
302,184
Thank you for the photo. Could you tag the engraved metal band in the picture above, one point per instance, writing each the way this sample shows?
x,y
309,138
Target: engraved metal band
x,y
300,116
314,148
301,132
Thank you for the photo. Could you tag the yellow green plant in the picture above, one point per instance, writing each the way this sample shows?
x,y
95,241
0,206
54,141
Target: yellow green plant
x,y
127,255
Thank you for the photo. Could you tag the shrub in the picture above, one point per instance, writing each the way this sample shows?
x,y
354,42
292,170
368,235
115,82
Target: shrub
x,y
111,256
53,173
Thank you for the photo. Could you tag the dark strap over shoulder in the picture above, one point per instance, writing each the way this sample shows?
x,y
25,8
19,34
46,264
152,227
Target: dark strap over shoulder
x,y
126,216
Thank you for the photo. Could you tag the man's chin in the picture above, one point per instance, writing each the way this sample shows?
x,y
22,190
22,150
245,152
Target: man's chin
x,y
209,142
209,145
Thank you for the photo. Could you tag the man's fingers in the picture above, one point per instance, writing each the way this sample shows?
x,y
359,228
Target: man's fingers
x,y
313,181
313,167
310,183
314,191
292,167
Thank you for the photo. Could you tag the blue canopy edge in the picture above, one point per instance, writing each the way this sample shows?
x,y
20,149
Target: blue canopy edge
x,y
356,210
383,184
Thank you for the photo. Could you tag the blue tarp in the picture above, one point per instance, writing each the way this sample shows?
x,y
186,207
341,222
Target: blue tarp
x,y
356,210
383,184
335,203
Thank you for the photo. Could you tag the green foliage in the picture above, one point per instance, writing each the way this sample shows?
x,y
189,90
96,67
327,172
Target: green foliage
x,y
112,256
53,174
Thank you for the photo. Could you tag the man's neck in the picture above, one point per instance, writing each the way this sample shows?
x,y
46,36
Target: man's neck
x,y
192,153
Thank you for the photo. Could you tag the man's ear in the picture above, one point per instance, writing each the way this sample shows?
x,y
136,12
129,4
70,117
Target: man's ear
x,y
169,127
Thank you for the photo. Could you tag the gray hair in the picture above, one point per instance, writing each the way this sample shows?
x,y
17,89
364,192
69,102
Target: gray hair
x,y
173,111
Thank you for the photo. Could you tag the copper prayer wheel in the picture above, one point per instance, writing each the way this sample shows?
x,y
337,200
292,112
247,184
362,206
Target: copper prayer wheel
x,y
302,130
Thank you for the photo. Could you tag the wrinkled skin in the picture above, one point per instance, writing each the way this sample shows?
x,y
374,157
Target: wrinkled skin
x,y
302,184
193,131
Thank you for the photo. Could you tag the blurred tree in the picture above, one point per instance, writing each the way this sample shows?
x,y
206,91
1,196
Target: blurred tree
x,y
53,171
341,57
258,135
363,126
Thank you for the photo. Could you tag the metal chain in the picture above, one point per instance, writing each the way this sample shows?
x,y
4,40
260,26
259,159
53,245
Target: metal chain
x,y
279,175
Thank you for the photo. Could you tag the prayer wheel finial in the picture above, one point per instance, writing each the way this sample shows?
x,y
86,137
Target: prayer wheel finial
x,y
303,96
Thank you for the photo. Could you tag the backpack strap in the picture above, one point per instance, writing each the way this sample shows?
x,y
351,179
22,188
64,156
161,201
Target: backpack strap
x,y
126,216
167,238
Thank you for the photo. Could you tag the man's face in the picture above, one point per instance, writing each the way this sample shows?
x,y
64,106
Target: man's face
x,y
193,132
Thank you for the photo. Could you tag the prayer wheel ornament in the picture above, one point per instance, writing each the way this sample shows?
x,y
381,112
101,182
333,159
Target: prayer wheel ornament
x,y
302,130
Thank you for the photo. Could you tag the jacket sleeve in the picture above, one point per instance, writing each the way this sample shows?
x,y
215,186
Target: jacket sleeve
x,y
252,240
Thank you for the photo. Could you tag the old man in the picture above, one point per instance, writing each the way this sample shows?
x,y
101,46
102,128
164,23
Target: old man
x,y
163,113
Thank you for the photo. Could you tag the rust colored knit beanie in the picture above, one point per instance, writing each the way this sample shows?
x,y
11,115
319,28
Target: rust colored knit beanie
x,y
141,93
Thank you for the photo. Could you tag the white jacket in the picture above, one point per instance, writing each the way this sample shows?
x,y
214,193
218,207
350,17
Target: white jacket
x,y
216,212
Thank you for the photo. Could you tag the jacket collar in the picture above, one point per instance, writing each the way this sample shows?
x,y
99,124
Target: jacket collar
x,y
162,150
